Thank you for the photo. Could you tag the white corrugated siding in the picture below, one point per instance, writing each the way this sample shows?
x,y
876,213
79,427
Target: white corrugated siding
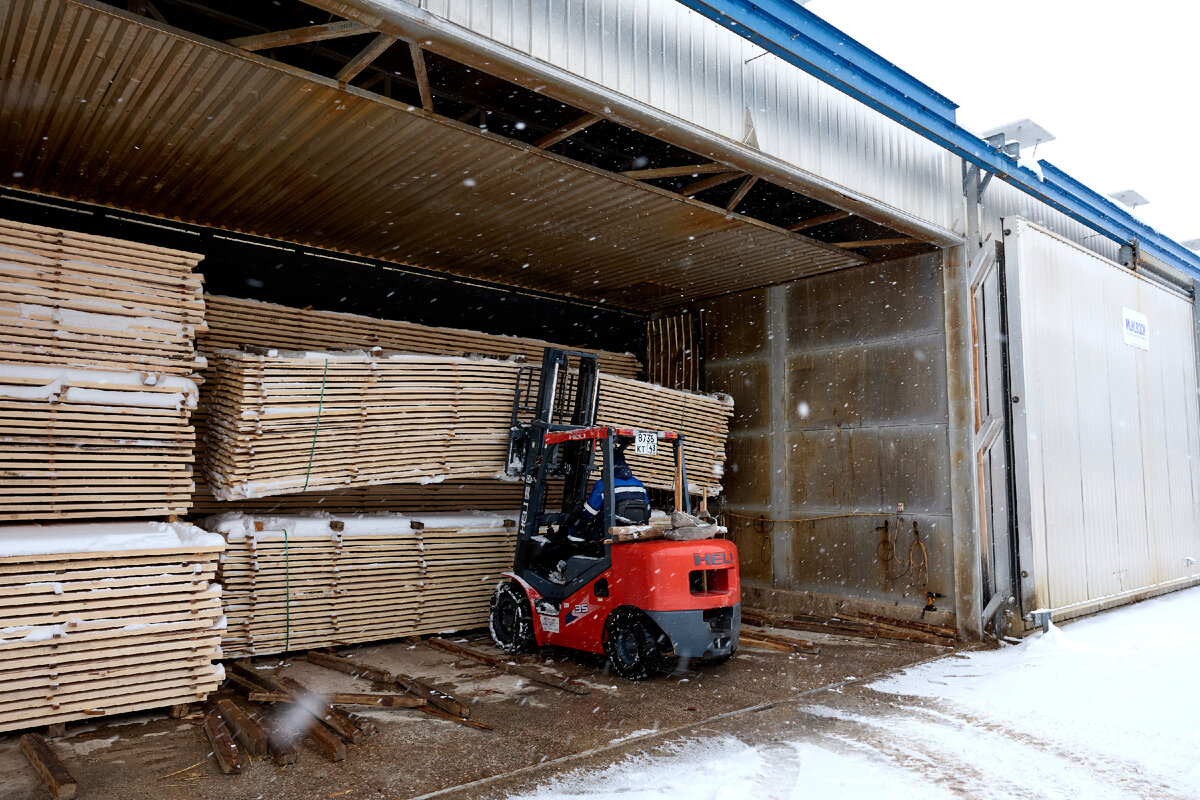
x,y
1111,430
663,54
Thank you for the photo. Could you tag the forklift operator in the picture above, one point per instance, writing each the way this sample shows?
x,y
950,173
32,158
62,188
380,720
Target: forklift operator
x,y
631,502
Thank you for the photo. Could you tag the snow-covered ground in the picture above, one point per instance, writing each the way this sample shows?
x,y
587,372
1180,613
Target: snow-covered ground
x,y
1107,707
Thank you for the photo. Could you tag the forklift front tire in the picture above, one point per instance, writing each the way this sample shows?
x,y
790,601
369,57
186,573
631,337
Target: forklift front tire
x,y
511,621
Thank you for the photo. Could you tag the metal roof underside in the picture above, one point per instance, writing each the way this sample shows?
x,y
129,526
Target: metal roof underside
x,y
101,106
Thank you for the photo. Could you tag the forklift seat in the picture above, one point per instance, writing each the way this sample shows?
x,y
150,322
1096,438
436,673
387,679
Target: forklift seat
x,y
577,565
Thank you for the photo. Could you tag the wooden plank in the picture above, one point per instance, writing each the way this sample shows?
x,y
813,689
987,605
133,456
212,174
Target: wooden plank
x,y
709,183
345,698
305,35
434,697
440,714
418,60
676,172
558,681
224,750
244,729
52,771
374,699
341,664
820,219
770,641
325,740
567,131
363,60
321,710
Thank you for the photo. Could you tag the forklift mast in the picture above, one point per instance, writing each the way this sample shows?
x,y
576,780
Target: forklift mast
x,y
561,396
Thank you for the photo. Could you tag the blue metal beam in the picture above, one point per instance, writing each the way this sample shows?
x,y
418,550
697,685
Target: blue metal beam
x,y
801,38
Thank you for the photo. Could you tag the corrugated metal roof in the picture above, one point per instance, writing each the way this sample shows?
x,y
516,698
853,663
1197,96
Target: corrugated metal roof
x,y
98,105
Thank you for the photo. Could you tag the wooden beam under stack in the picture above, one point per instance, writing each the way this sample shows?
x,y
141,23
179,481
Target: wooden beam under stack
x,y
105,618
296,583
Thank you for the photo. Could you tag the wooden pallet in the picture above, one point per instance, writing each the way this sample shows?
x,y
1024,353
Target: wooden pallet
x,y
298,584
106,618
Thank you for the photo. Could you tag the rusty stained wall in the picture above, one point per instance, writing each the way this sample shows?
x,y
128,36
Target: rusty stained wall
x,y
839,383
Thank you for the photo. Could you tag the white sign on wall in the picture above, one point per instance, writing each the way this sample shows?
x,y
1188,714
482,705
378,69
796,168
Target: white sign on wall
x,y
1136,328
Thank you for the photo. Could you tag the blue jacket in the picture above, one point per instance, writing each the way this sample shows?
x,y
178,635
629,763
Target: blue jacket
x,y
625,483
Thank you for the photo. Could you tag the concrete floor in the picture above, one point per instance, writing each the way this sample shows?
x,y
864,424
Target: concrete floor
x,y
538,731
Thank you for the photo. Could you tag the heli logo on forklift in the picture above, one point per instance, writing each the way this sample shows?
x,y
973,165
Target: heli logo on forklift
x,y
712,559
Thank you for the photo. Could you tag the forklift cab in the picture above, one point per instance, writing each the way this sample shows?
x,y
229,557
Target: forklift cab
x,y
545,539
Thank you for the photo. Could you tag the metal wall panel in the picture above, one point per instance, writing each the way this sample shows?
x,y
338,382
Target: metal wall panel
x,y
663,54
1001,201
1107,432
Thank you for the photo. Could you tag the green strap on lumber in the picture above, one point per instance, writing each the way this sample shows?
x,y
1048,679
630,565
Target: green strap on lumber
x,y
313,448
287,594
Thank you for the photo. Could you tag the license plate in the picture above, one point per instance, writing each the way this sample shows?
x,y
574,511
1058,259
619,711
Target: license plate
x,y
645,444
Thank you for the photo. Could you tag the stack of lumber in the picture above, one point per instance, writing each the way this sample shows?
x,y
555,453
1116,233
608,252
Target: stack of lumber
x,y
302,582
294,422
703,421
80,443
234,323
70,299
106,618
237,323
97,361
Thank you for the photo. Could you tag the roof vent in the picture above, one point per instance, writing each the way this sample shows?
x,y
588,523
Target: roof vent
x,y
1130,198
1017,136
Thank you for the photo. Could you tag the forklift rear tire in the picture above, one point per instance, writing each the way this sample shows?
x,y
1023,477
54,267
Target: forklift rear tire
x,y
631,644
511,621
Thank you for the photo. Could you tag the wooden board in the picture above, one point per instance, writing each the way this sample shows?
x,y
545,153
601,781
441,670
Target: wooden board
x,y
79,443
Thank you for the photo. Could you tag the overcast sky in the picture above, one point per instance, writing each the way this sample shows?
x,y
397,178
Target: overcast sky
x,y
1116,83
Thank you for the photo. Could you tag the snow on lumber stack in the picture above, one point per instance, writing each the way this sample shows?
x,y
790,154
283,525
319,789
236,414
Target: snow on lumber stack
x,y
294,422
83,443
106,618
237,323
71,299
303,582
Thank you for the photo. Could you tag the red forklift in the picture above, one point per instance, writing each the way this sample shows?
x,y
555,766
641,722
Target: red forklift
x,y
644,604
